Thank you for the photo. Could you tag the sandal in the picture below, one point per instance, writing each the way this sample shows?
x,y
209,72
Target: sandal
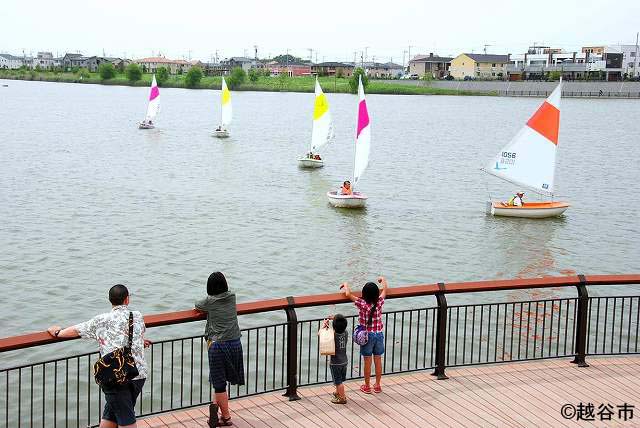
x,y
225,422
365,388
377,389
338,400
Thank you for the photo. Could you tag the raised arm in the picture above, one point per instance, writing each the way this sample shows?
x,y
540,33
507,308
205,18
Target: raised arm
x,y
344,287
382,280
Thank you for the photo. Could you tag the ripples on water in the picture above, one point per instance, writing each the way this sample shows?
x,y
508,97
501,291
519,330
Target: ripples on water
x,y
88,200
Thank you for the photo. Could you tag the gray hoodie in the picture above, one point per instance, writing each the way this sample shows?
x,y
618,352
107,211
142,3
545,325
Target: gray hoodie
x,y
222,318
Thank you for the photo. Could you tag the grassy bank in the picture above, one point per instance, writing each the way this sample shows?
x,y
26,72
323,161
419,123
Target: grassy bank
x,y
270,84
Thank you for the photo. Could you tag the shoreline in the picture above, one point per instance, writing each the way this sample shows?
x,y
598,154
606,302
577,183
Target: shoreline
x,y
264,84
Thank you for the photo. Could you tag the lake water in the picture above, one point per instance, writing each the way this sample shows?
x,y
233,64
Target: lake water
x,y
87,200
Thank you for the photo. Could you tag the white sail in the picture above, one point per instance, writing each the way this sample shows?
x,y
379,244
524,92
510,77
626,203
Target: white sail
x,y
322,132
154,101
363,136
530,157
227,111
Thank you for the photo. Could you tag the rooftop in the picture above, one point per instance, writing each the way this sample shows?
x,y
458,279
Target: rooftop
x,y
162,60
333,64
431,58
487,57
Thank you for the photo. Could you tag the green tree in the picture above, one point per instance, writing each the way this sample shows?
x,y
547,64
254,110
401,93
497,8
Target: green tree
x,y
75,69
84,73
162,75
253,75
353,82
553,75
193,77
133,72
38,68
237,78
339,73
427,77
283,79
107,71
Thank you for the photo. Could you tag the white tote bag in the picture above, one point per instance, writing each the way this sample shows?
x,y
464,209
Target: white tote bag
x,y
327,341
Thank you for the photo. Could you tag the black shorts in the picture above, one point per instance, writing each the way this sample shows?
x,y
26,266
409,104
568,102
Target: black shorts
x,y
339,374
120,402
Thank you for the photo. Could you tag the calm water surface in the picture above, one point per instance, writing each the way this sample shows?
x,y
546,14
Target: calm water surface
x,y
88,200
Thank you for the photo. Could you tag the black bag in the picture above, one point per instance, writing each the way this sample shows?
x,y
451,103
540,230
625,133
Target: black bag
x,y
117,367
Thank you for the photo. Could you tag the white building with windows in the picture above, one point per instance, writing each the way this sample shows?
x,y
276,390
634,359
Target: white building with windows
x,y
11,62
44,60
630,58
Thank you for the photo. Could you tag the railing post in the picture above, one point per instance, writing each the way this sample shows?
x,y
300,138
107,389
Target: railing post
x,y
581,323
441,333
292,351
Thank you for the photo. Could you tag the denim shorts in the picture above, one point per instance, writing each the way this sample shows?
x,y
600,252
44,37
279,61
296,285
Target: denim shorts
x,y
374,346
339,374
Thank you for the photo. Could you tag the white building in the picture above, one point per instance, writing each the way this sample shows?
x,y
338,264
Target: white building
x,y
11,62
539,60
44,60
630,58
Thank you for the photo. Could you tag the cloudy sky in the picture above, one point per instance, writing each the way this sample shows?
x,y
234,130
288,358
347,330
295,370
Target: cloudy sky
x,y
333,29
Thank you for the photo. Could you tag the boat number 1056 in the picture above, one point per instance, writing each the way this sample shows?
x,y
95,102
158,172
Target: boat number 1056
x,y
509,155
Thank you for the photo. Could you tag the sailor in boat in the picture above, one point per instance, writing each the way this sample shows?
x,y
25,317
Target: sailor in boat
x,y
346,188
317,157
516,200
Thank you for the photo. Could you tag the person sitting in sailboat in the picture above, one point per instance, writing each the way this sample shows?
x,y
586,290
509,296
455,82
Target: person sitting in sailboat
x,y
346,188
317,157
516,200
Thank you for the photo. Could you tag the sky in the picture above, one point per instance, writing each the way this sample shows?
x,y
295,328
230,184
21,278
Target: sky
x,y
334,30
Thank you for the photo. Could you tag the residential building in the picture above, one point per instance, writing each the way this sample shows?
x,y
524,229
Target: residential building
x,y
597,50
243,62
332,68
11,62
386,70
630,58
479,66
214,69
175,66
437,66
293,69
70,60
121,63
44,60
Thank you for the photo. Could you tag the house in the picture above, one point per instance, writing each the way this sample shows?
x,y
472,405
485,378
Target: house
x,y
215,69
332,68
292,69
243,62
479,66
630,58
121,63
11,62
437,66
70,60
175,66
44,60
387,70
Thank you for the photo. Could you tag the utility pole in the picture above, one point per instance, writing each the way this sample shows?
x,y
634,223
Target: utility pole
x,y
365,55
404,67
410,51
310,54
255,52
317,57
354,58
485,48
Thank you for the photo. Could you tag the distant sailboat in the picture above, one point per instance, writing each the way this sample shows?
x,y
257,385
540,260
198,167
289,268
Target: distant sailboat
x,y
322,132
529,160
226,112
154,106
361,157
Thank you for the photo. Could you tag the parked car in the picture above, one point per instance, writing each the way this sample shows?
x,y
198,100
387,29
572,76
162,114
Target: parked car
x,y
448,77
468,78
414,77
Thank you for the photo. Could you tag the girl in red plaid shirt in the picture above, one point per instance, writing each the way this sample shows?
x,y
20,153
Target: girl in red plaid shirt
x,y
370,316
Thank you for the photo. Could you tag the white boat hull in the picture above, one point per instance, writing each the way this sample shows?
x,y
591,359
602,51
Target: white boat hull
x,y
357,200
221,134
145,126
529,209
310,163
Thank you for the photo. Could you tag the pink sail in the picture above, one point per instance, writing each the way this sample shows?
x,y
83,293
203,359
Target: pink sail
x,y
154,101
363,136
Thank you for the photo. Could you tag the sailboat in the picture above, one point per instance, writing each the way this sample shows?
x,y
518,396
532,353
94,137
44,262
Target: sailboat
x,y
361,157
322,132
529,160
226,112
154,106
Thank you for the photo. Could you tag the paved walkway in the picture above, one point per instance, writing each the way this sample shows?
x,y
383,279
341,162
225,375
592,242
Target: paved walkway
x,y
515,395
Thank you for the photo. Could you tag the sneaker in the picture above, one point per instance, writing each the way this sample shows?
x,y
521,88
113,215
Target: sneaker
x,y
337,400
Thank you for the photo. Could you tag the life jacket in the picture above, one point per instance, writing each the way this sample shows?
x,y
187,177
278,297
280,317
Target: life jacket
x,y
511,202
346,191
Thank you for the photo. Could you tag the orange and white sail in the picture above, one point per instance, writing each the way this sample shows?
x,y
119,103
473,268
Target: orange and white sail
x,y
530,157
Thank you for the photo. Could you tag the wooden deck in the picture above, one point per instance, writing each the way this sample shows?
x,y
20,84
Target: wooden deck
x,y
516,395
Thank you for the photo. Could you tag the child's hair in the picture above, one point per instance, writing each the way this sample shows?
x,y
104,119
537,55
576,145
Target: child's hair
x,y
339,323
370,294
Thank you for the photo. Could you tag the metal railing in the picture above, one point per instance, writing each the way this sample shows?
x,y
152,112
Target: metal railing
x,y
573,94
284,356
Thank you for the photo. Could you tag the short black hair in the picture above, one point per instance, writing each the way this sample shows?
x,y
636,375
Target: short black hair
x,y
339,323
216,284
118,294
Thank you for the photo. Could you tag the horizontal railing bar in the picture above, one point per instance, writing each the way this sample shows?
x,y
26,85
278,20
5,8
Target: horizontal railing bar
x,y
170,318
